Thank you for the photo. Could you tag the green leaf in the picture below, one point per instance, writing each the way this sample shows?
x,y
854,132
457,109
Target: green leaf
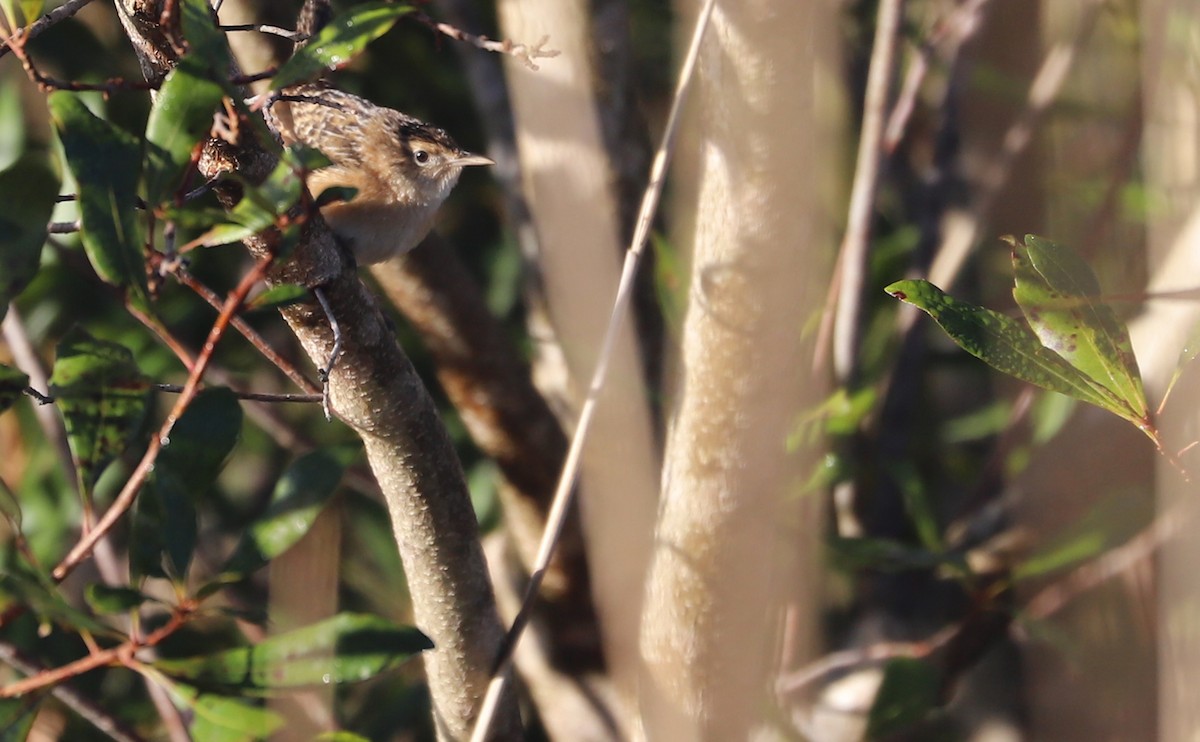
x,y
340,736
103,398
916,503
181,116
189,463
299,497
106,163
1080,546
21,13
344,649
17,716
219,719
12,125
27,192
335,194
203,438
106,599
908,694
164,525
1005,344
261,205
12,385
1187,354
206,42
41,597
339,42
277,297
1059,295
670,282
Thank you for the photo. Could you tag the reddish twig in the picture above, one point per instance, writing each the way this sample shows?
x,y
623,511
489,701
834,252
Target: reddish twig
x,y
121,654
868,655
16,44
129,492
158,328
62,12
248,332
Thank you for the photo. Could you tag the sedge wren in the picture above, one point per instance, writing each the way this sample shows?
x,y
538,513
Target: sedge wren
x,y
402,168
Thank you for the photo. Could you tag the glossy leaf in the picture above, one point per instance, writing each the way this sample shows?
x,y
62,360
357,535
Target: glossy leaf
x,y
299,497
908,694
105,599
206,42
1005,344
106,162
217,718
346,648
12,386
1060,297
181,116
27,192
339,42
103,398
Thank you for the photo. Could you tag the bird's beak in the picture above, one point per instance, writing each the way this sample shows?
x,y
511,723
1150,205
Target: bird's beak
x,y
466,158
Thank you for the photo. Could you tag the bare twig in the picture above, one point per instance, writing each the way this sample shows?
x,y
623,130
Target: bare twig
x,y
88,709
563,496
121,654
955,30
871,654
250,396
852,256
526,53
272,30
1113,562
1043,91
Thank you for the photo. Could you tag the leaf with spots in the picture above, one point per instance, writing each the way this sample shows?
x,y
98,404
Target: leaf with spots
x,y
103,398
1005,344
346,648
1060,297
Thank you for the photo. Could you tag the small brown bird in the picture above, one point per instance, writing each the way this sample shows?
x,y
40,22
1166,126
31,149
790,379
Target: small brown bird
x,y
402,168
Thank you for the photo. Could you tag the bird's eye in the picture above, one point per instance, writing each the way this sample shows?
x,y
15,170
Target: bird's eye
x,y
421,157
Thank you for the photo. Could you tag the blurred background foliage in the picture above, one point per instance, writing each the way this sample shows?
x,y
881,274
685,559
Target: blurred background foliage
x,y
942,460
